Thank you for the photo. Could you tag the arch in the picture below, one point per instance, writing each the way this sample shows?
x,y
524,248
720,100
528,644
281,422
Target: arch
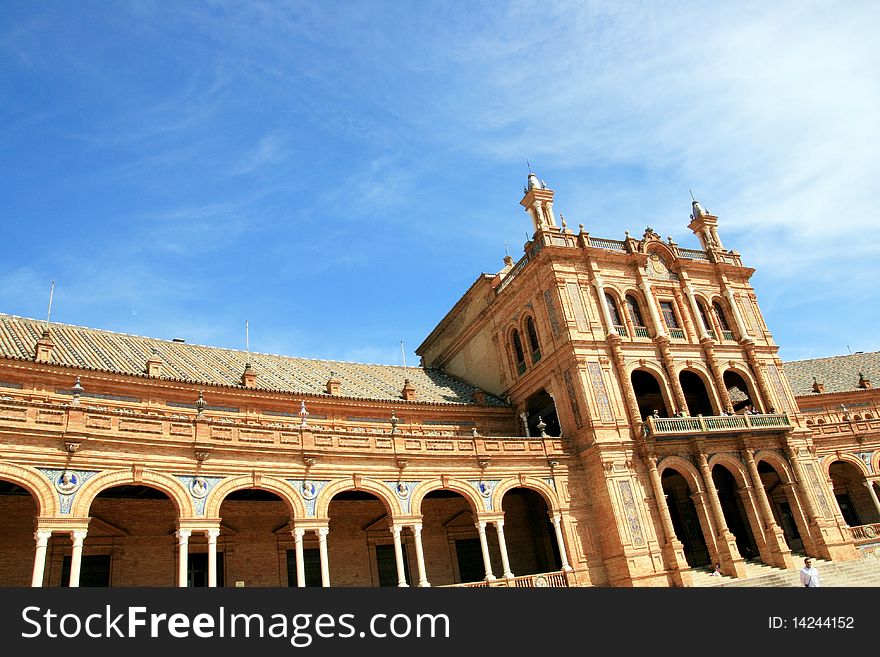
x,y
532,483
664,252
869,416
377,488
35,483
736,467
163,482
460,486
777,462
845,458
700,370
531,333
745,373
657,374
683,467
275,485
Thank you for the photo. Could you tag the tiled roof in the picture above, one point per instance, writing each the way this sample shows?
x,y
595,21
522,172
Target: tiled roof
x,y
106,351
836,373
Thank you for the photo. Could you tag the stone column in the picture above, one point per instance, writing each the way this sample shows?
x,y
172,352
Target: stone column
x,y
673,547
420,555
325,565
774,535
42,537
737,316
182,557
300,565
674,383
732,561
702,329
603,305
802,522
563,556
398,556
659,328
717,374
79,536
212,535
502,545
487,563
870,486
707,525
760,380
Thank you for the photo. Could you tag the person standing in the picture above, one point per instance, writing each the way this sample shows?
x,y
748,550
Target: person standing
x,y
809,575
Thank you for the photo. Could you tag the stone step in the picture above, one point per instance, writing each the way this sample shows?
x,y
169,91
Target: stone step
x,y
856,573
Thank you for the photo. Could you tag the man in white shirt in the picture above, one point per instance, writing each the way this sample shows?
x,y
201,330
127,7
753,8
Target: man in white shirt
x,y
809,575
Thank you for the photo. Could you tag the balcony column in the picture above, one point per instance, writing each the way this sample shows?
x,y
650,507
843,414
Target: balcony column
x,y
873,493
645,285
732,562
669,365
502,545
557,526
42,537
781,554
322,548
758,371
707,525
717,374
702,329
737,316
298,534
212,535
487,563
182,558
398,556
420,555
603,306
800,517
78,536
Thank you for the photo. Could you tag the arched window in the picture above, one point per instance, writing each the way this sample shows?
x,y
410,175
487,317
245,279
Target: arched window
x,y
635,315
518,352
617,324
705,317
722,321
533,340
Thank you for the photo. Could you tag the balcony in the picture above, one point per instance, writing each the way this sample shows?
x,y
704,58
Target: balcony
x,y
715,424
727,334
642,332
676,333
620,330
865,534
555,580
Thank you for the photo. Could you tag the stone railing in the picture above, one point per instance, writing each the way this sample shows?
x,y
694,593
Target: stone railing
x,y
667,426
866,533
611,245
517,268
556,580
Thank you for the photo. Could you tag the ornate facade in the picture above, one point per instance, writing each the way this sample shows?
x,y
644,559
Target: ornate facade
x,y
601,412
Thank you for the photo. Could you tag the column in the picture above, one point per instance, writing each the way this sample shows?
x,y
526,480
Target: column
x,y
212,535
42,537
557,519
79,536
325,565
724,396
481,528
182,556
603,306
502,545
300,565
420,555
398,556
695,309
662,506
766,510
737,317
659,328
870,486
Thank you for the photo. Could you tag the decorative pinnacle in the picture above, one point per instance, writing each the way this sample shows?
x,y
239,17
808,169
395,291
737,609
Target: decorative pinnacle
x,y
201,404
541,426
303,413
77,390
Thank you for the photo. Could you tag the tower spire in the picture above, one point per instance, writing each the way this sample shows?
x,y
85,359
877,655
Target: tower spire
x,y
538,202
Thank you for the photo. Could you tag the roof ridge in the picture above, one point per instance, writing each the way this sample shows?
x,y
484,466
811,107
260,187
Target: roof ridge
x,y
805,360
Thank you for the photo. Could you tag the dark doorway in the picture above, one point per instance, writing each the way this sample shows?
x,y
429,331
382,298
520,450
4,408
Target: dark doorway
x,y
734,512
529,534
685,520
198,570
470,560
649,397
386,563
695,394
542,408
94,570
852,496
311,567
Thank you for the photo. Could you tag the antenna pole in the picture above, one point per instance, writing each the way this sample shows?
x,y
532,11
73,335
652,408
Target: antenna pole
x,y
692,195
403,354
49,312
528,165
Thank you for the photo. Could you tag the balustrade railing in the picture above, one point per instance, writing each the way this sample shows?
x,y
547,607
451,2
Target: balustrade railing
x,y
677,333
557,580
611,245
620,330
642,332
716,424
866,533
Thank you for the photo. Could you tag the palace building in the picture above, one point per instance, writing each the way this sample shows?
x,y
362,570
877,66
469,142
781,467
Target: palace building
x,y
600,412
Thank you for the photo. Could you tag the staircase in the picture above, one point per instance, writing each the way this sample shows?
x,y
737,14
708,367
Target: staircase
x,y
858,573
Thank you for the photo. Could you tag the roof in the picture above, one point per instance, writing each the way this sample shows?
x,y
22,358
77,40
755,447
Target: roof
x,y
836,373
120,353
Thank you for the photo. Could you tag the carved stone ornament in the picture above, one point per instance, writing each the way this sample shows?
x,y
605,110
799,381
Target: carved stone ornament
x,y
199,487
67,482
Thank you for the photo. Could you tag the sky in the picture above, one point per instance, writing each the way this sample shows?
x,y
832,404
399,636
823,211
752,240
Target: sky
x,y
337,174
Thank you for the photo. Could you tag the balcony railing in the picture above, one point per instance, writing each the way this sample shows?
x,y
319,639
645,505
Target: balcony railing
x,y
866,533
727,335
669,426
556,580
611,245
620,330
642,332
677,333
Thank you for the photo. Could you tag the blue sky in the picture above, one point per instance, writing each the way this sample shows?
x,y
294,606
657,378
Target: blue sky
x,y
338,174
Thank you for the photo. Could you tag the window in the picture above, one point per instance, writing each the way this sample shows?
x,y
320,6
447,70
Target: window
x,y
612,310
518,351
94,570
635,316
705,317
197,569
533,340
470,560
669,315
311,566
719,315
386,564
